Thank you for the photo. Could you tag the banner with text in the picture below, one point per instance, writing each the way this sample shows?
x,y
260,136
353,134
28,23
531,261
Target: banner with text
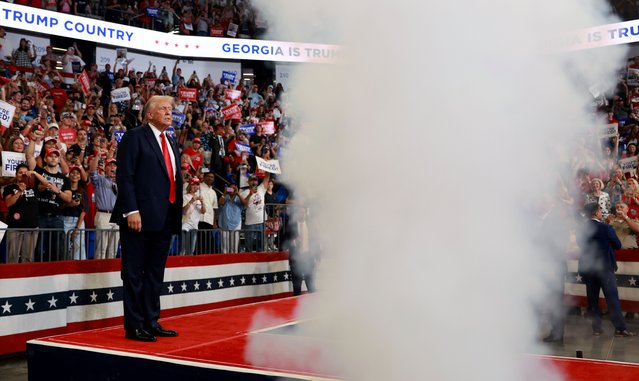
x,y
272,166
10,161
629,164
268,127
609,130
188,95
6,113
84,82
241,147
67,135
232,112
120,95
247,129
232,94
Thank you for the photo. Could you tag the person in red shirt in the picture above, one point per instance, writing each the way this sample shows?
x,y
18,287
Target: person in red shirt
x,y
193,155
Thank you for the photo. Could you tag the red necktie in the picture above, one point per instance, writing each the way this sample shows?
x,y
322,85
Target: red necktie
x,y
169,167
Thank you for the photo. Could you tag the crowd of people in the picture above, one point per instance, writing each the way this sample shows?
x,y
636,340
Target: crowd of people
x,y
215,18
70,139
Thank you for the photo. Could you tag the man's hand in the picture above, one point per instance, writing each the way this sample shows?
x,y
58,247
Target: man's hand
x,y
134,221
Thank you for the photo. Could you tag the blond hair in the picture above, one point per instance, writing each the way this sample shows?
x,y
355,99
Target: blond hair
x,y
153,101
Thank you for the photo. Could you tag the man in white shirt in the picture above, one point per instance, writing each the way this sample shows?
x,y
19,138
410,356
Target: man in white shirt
x,y
207,222
253,200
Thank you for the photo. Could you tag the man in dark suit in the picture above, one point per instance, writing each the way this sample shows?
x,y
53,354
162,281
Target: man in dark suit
x,y
598,264
149,210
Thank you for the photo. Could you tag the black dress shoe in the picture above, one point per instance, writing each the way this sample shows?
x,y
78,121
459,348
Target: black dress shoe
x,y
139,335
159,331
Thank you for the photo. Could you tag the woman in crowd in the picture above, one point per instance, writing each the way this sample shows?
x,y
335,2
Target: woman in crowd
x,y
616,186
193,210
597,195
631,197
73,213
230,219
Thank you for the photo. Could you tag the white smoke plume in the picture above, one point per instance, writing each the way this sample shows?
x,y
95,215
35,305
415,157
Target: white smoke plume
x,y
420,156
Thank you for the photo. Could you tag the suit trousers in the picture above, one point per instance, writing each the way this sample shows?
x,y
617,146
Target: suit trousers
x,y
144,257
607,282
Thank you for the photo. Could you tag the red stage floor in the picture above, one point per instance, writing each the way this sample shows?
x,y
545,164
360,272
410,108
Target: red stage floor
x,y
217,340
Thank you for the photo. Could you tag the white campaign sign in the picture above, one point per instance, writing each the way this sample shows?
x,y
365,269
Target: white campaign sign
x,y
272,166
120,95
10,161
6,113
609,130
628,164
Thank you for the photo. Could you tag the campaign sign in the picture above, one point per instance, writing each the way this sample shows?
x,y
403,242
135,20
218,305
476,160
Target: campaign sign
x,y
10,161
84,81
41,86
67,135
609,130
178,120
232,94
268,127
170,132
628,164
228,76
247,129
6,113
272,166
153,12
118,136
188,95
241,147
232,112
217,31
120,95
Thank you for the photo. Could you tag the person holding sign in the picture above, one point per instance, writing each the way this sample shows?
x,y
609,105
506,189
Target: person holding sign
x,y
72,63
23,214
253,200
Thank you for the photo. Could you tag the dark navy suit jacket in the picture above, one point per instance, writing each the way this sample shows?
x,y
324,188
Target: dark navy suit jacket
x,y
598,248
143,182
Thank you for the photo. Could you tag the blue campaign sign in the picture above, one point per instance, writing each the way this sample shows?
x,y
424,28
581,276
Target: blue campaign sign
x,y
243,148
153,12
178,120
170,132
118,135
248,129
228,76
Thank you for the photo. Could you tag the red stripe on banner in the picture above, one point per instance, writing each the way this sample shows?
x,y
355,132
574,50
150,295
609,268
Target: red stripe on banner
x,y
224,259
26,270
627,255
18,342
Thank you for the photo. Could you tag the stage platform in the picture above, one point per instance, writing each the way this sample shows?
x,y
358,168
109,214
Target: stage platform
x,y
212,346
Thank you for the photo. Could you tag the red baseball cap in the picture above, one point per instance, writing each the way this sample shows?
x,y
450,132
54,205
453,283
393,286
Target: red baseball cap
x,y
51,151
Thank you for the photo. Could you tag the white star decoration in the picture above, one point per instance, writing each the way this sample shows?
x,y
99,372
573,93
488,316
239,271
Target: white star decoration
x,y
208,285
196,285
170,287
232,282
110,295
285,276
254,279
30,305
6,307
183,286
52,301
73,299
578,278
243,280
220,283
94,297
264,279
275,278
632,281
